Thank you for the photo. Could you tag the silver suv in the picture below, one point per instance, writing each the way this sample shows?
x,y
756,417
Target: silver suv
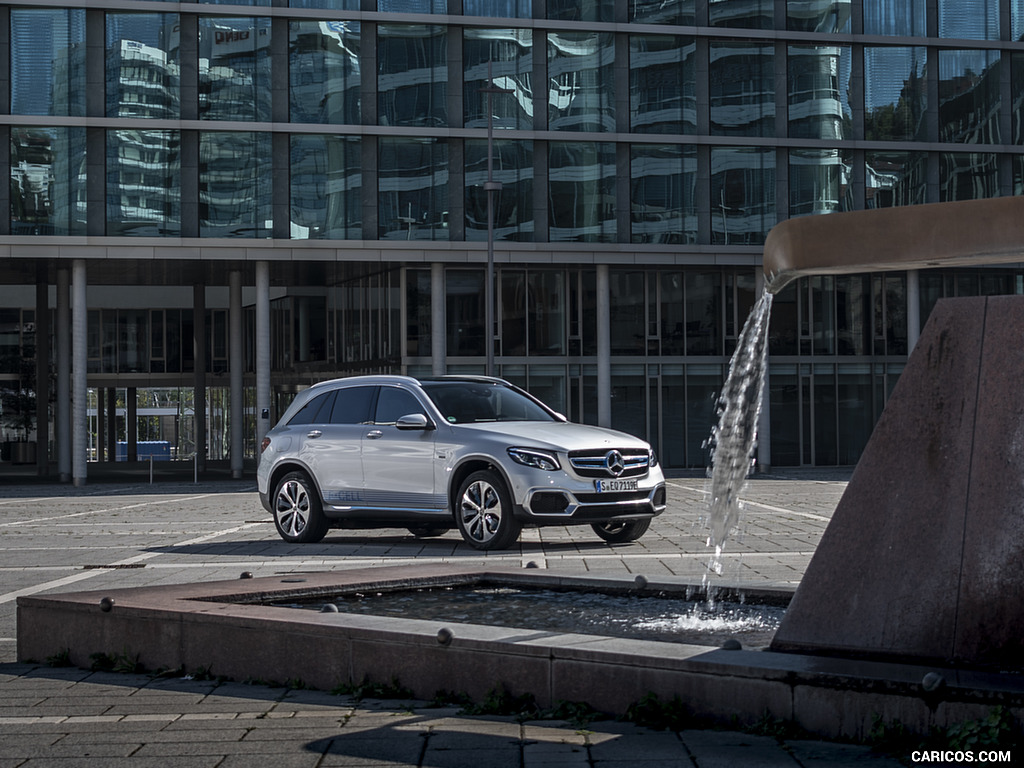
x,y
471,452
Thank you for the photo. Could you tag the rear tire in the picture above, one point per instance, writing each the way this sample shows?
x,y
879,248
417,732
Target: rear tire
x,y
298,513
483,511
621,531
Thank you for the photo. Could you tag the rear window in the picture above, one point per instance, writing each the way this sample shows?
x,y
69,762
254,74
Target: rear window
x,y
316,411
352,405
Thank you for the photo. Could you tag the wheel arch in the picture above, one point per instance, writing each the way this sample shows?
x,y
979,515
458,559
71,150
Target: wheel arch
x,y
467,467
283,469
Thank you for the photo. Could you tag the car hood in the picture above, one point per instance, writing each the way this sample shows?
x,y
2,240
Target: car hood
x,y
558,435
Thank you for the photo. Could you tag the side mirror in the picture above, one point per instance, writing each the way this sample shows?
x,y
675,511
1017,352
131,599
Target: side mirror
x,y
413,421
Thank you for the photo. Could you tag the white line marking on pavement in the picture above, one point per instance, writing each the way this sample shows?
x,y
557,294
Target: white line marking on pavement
x,y
108,509
769,507
127,561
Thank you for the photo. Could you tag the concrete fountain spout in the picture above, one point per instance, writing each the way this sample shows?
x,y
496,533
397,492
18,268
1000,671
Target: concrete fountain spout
x,y
967,233
922,558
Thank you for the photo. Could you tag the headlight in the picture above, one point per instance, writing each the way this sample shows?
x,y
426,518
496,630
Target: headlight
x,y
536,459
654,458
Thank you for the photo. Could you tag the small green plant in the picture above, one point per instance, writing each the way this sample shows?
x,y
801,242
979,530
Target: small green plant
x,y
370,690
123,662
501,701
296,684
995,730
60,659
652,712
579,713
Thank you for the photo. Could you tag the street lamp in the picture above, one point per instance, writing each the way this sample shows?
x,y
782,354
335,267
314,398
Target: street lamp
x,y
491,187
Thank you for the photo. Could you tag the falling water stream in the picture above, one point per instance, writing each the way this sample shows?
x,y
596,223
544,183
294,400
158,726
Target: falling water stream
x,y
734,439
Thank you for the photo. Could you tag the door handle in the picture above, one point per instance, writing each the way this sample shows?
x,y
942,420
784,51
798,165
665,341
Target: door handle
x,y
374,434
314,433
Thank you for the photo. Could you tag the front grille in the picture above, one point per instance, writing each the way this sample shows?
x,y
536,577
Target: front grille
x,y
595,463
611,498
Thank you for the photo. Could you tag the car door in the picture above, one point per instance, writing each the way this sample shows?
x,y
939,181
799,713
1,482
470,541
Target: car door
x,y
398,464
332,446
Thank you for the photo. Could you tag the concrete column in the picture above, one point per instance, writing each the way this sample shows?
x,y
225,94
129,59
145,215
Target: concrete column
x,y
262,350
764,422
62,425
604,348
913,308
42,373
235,362
111,423
438,329
199,372
80,392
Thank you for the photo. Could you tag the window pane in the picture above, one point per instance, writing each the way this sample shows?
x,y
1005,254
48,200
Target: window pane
x,y
703,313
464,315
742,89
48,171
352,405
546,312
413,6
581,192
662,193
1016,19
662,11
742,195
753,14
1017,97
418,316
509,54
234,68
895,94
513,203
142,65
581,96
662,77
513,312
47,62
335,5
819,91
412,74
819,181
977,20
508,9
143,183
628,327
703,385
967,176
326,186
413,196
323,71
234,185
581,10
828,16
895,178
969,97
885,17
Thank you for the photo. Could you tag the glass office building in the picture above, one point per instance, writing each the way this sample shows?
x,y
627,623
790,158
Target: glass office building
x,y
249,197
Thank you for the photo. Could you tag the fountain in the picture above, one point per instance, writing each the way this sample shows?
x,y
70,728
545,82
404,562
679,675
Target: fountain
x,y
909,610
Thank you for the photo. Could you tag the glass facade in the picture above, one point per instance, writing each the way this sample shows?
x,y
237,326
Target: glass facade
x,y
652,143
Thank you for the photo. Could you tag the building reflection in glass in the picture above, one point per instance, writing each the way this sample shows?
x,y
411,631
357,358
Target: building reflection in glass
x,y
581,94
819,92
742,88
47,48
48,173
503,9
142,65
662,11
895,93
742,195
663,193
234,68
412,6
819,181
742,14
581,192
332,5
969,21
324,72
968,176
581,10
885,17
969,98
828,16
662,84
235,184
895,178
509,52
412,75
513,203
413,189
1017,97
143,183
326,187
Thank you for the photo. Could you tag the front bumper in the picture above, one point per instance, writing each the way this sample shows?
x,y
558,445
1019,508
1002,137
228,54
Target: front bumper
x,y
561,505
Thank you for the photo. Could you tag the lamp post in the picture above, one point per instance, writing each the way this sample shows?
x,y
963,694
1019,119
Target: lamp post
x,y
491,187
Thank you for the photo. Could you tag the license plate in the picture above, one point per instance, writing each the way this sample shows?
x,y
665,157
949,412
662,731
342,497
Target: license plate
x,y
615,486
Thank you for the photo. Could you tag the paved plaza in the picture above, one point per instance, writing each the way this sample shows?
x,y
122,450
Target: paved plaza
x,y
59,538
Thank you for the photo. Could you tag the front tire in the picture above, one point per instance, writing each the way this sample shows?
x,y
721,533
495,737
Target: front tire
x,y
621,531
483,511
298,513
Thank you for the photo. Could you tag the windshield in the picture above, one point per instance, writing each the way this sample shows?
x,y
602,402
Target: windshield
x,y
471,402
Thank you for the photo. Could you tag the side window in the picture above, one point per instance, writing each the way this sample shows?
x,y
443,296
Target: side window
x,y
352,405
316,411
394,403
